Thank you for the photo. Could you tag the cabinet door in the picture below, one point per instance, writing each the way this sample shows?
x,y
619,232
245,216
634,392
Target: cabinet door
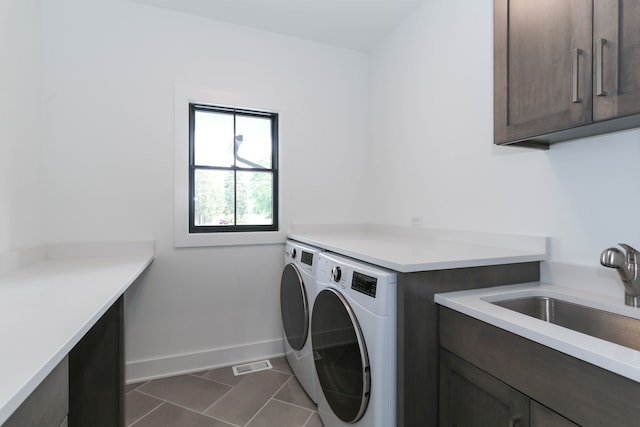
x,y
48,404
616,62
470,397
96,373
542,67
542,416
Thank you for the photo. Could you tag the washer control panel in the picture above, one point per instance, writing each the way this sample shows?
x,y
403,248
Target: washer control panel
x,y
371,287
306,258
364,284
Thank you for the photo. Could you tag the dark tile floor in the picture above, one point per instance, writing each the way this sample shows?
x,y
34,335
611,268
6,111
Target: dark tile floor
x,y
217,398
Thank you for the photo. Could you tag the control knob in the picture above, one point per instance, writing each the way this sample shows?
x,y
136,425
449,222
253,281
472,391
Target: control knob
x,y
336,274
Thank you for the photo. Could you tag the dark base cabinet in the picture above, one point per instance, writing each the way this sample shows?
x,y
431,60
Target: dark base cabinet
x,y
96,373
470,397
417,371
48,404
88,385
541,416
491,377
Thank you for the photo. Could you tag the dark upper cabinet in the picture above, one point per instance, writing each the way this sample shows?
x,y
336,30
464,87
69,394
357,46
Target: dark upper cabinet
x,y
616,47
537,44
565,69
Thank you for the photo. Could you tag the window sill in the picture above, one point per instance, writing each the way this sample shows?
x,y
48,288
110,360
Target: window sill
x,y
188,240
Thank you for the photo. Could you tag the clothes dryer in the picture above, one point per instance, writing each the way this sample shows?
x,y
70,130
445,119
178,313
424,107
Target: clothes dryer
x,y
297,294
353,333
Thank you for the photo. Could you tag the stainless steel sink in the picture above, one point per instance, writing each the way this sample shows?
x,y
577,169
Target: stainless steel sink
x,y
601,324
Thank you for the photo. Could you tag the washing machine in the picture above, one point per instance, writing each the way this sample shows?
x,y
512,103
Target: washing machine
x,y
353,334
297,294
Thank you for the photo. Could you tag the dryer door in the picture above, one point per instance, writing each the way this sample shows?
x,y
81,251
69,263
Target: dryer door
x,y
340,356
294,307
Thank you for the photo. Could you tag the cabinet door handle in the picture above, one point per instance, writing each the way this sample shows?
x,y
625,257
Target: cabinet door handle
x,y
576,59
599,60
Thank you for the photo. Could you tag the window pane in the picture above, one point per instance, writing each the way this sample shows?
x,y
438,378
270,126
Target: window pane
x,y
255,198
213,139
213,197
253,136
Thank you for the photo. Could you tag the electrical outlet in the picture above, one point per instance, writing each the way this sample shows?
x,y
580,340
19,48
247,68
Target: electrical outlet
x,y
416,220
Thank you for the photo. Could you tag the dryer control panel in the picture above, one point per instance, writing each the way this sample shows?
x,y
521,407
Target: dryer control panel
x,y
364,284
373,288
306,258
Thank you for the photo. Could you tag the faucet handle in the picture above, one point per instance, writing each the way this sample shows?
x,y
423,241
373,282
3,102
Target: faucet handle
x,y
632,254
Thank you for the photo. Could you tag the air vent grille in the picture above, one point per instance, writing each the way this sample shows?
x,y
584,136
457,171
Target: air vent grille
x,y
248,368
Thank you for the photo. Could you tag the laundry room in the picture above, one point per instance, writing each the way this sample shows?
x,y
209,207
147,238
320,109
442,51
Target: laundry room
x,y
383,125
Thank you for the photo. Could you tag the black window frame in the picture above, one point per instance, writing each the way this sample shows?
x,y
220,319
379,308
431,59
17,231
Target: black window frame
x,y
196,229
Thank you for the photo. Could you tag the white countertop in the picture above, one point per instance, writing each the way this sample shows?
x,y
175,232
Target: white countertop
x,y
613,357
47,307
411,249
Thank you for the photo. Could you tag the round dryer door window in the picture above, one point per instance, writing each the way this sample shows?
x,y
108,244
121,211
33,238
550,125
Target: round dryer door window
x,y
340,356
294,307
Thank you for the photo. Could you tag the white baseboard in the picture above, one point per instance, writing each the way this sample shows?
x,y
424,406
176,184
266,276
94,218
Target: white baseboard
x,y
143,370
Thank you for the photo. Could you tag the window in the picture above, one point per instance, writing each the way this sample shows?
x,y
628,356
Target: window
x,y
233,169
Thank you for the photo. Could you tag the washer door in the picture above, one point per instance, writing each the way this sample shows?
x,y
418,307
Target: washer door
x,y
340,354
294,307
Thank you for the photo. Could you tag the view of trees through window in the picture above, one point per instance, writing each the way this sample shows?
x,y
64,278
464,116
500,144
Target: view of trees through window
x,y
215,201
233,175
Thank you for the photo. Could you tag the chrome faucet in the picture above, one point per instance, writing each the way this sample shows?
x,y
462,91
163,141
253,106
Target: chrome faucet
x,y
627,266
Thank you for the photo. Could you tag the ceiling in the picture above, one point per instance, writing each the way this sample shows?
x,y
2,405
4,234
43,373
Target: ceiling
x,y
353,24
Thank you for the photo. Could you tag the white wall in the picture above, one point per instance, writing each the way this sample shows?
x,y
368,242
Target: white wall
x,y
21,215
110,71
432,153
110,67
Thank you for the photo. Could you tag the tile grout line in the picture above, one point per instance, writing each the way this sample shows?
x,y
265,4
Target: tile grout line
x,y
185,407
218,399
308,419
191,409
268,400
151,395
294,404
293,378
163,401
231,387
137,387
213,381
168,402
139,419
219,419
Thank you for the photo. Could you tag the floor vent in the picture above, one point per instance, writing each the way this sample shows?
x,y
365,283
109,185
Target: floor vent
x,y
248,368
